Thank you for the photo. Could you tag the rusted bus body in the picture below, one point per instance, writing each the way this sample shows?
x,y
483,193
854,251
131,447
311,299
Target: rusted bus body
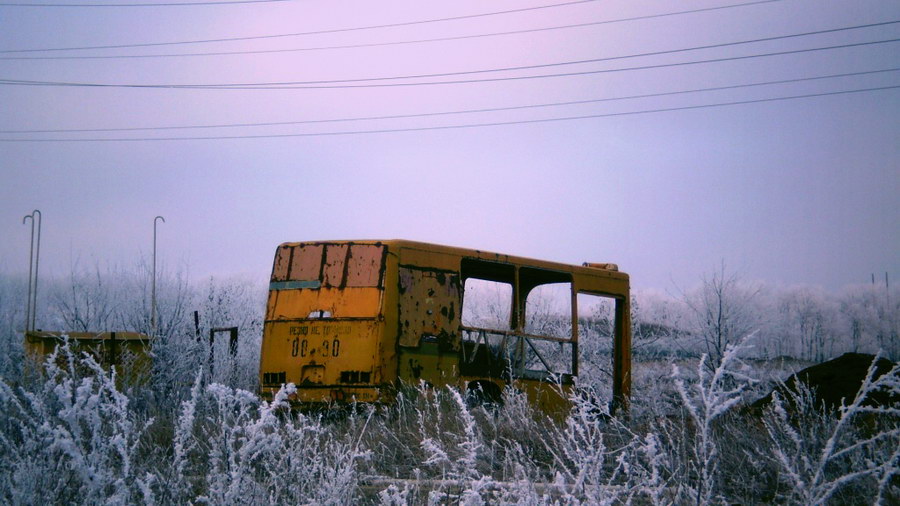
x,y
129,352
350,320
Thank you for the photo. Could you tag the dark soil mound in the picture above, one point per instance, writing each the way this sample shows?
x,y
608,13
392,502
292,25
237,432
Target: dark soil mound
x,y
836,380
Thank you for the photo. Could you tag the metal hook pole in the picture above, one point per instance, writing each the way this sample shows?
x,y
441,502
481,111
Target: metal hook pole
x,y
37,260
153,283
30,267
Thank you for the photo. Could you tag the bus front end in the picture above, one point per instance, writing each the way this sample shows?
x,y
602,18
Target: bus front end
x,y
324,323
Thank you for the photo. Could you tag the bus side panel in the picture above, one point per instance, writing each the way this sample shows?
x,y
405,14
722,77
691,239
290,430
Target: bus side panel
x,y
550,398
428,364
429,259
428,310
429,307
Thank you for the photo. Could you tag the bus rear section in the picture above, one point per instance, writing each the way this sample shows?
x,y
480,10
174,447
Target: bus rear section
x,y
324,328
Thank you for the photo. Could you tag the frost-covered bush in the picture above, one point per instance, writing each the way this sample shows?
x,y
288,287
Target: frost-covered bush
x,y
249,453
110,298
73,438
820,455
13,292
709,398
196,432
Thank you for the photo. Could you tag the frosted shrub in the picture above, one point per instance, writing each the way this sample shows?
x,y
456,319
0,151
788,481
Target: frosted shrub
x,y
819,455
706,400
599,460
74,439
514,438
258,455
453,454
648,468
12,320
427,432
653,391
394,496
579,447
433,448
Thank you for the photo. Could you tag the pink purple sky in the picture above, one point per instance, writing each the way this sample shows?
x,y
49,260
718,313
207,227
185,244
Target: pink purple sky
x,y
801,190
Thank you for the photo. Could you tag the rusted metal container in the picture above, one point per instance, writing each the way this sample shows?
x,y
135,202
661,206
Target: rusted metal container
x,y
129,352
353,320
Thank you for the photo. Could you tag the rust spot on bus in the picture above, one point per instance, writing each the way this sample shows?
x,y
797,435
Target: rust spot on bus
x,y
365,265
306,262
333,267
427,307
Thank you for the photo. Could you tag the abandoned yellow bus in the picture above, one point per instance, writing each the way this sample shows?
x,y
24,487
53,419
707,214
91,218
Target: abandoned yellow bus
x,y
353,320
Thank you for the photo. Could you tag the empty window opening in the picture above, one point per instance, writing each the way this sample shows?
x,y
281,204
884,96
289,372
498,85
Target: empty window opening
x,y
487,304
596,332
548,310
596,317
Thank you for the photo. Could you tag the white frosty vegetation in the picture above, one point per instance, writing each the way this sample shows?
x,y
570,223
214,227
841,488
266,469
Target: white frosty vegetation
x,y
819,454
708,399
196,432
75,437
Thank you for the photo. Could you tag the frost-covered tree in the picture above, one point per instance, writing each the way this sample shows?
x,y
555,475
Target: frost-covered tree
x,y
871,318
89,300
659,325
723,310
807,322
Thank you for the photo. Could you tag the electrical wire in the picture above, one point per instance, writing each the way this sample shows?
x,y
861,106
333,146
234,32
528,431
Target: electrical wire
x,y
346,46
445,113
317,32
326,84
468,125
161,4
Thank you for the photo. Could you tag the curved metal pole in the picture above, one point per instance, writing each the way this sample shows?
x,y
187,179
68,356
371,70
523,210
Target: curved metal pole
x,y
30,266
37,260
153,283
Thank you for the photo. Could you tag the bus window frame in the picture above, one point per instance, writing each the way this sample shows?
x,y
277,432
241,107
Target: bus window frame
x,y
621,349
515,336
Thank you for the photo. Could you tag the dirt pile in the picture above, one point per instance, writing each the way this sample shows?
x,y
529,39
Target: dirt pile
x,y
836,380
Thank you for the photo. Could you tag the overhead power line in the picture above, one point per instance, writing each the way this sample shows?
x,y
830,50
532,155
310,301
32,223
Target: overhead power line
x,y
321,48
455,127
159,4
446,113
338,83
316,32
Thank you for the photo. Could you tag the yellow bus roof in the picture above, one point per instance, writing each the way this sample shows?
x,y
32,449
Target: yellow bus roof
x,y
590,269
